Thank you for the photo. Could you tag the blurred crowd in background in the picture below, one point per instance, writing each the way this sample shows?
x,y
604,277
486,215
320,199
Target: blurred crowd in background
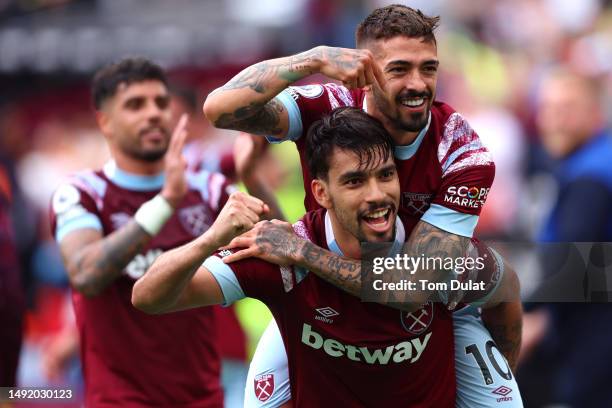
x,y
495,57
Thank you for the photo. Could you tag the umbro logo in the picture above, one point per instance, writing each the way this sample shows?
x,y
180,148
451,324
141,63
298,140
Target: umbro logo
x,y
503,391
325,313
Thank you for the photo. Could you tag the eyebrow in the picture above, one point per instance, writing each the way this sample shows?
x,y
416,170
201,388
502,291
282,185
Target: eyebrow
x,y
388,167
351,174
361,173
407,63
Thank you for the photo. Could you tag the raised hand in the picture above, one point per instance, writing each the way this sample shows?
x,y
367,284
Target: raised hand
x,y
248,149
240,214
175,187
356,68
273,241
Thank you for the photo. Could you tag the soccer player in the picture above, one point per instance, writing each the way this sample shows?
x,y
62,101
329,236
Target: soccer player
x,y
112,223
445,172
354,354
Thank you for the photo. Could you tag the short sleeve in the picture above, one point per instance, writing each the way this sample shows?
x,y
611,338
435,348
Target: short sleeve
x,y
72,209
249,278
467,176
307,104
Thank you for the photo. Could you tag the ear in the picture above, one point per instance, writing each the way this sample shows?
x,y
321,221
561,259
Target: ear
x,y
103,120
320,191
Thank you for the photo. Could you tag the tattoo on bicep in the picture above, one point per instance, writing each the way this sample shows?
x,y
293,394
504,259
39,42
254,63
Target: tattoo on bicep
x,y
254,77
255,118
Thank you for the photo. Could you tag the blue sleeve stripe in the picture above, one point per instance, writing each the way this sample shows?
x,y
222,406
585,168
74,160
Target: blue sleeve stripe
x,y
451,221
295,118
226,278
86,220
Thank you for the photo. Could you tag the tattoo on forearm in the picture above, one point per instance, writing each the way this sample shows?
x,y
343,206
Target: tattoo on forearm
x,y
508,339
254,118
107,259
339,271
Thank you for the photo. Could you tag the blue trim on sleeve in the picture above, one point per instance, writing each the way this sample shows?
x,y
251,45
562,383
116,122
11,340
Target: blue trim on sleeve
x,y
295,118
451,221
226,278
86,220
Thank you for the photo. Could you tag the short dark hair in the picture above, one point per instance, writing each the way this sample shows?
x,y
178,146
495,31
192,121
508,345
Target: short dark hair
x,y
129,70
394,20
346,128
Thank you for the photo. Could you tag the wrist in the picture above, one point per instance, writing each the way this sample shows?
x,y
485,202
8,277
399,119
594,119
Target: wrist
x,y
170,198
298,257
152,215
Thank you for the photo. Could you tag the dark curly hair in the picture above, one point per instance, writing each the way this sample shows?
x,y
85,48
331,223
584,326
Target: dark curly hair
x,y
346,128
394,20
129,70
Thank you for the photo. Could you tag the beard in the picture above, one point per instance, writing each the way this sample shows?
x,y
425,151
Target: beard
x,y
414,122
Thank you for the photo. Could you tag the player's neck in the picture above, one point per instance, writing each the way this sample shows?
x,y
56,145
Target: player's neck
x,y
347,242
140,167
402,138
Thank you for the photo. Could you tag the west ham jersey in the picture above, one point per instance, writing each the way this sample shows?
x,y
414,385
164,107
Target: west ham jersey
x,y
343,352
131,359
445,174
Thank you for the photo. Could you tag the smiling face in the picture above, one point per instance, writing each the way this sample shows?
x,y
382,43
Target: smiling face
x,y
410,66
362,196
136,120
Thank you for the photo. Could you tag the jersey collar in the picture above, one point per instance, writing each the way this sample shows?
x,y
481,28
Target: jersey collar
x,y
400,236
132,181
405,152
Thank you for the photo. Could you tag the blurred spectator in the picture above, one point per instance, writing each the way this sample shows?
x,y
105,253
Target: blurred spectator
x,y
569,343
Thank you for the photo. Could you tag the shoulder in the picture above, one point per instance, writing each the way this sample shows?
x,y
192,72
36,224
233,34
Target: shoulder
x,y
459,146
83,185
211,186
311,226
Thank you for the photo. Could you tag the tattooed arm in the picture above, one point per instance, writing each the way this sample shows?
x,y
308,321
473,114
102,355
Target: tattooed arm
x,y
93,262
503,316
246,102
275,242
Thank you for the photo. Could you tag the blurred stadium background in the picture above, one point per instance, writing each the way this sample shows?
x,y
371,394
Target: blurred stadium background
x,y
493,55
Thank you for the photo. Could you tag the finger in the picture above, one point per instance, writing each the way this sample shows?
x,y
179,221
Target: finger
x,y
179,135
349,84
252,216
238,255
381,82
361,80
239,242
254,204
369,75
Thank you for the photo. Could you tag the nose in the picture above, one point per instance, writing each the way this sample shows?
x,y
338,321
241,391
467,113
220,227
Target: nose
x,y
374,192
414,81
153,112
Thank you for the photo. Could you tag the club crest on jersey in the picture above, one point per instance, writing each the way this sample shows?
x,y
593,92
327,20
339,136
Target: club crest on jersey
x,y
195,219
418,321
416,203
264,386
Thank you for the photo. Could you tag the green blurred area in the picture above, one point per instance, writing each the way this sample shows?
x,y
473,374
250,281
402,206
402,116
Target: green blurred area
x,y
253,314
